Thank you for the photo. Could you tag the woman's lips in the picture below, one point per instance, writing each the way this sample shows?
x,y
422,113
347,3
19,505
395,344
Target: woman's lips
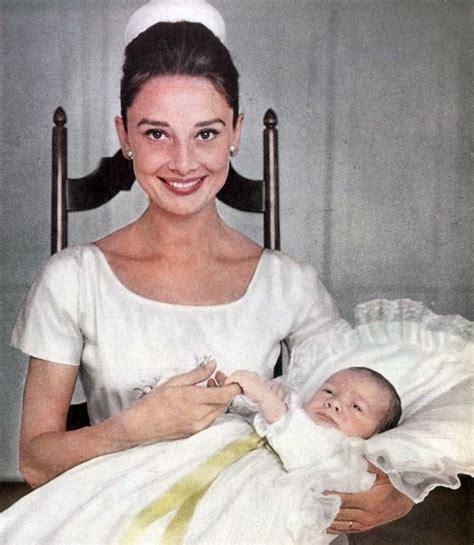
x,y
183,187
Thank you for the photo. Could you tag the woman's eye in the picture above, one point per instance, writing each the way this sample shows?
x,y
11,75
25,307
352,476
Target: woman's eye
x,y
155,134
208,134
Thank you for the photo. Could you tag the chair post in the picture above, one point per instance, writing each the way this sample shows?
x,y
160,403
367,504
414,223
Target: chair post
x,y
59,181
271,219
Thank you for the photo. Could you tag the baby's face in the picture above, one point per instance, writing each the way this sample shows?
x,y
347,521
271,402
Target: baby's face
x,y
350,401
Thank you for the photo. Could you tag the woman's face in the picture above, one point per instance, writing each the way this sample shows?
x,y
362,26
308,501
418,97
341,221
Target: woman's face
x,y
180,129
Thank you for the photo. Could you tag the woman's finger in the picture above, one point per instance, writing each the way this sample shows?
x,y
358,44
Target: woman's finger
x,y
219,396
344,526
345,515
195,376
350,514
220,378
381,504
350,501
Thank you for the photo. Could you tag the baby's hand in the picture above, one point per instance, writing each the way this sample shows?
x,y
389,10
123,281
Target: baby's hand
x,y
251,383
279,389
268,394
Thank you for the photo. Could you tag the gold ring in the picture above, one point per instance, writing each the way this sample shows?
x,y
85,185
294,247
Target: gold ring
x,y
350,524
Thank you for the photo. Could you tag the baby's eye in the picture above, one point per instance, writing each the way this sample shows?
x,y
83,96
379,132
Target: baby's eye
x,y
327,391
155,134
356,407
207,134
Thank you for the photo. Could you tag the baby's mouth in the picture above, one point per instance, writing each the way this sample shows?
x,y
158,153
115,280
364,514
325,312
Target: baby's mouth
x,y
326,419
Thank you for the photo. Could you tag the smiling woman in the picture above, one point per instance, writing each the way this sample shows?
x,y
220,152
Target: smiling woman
x,y
180,125
152,300
180,131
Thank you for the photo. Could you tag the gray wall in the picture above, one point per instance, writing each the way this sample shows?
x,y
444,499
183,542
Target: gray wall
x,y
375,118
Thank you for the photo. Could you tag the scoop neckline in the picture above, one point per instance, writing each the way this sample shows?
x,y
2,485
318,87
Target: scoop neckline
x,y
141,298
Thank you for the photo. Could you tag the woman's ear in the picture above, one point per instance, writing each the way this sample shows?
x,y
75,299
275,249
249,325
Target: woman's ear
x,y
238,131
123,136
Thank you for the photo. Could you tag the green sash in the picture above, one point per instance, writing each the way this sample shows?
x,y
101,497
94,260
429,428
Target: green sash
x,y
185,495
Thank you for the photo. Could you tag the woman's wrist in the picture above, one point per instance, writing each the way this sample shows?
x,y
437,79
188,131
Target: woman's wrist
x,y
126,430
116,433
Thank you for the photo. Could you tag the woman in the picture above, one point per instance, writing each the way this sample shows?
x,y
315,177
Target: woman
x,y
174,286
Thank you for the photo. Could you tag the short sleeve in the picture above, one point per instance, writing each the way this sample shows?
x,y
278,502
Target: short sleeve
x,y
317,309
317,324
315,317
48,323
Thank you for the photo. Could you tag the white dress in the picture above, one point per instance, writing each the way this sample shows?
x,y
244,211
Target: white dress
x,y
260,499
78,313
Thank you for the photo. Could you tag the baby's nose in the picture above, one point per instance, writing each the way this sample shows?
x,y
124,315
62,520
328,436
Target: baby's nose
x,y
334,404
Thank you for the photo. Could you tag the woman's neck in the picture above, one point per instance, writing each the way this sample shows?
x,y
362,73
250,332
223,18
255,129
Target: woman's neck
x,y
188,234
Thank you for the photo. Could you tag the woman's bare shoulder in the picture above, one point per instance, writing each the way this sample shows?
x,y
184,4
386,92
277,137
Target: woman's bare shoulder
x,y
238,246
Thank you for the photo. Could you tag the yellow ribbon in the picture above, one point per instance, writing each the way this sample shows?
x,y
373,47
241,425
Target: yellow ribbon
x,y
185,495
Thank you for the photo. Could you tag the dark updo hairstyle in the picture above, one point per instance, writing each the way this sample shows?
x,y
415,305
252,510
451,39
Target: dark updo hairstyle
x,y
178,49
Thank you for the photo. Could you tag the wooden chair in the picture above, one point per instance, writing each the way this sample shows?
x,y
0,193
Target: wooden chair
x,y
115,174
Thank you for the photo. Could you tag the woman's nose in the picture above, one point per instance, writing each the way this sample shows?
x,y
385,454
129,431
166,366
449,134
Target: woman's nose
x,y
182,158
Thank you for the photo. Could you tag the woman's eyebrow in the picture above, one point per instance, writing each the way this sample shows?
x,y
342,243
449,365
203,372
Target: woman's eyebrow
x,y
158,123
153,122
210,122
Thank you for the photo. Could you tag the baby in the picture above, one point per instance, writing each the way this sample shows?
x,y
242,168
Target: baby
x,y
275,495
227,484
357,401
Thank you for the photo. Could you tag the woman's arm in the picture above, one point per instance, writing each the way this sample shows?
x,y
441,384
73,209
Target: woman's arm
x,y
178,408
380,505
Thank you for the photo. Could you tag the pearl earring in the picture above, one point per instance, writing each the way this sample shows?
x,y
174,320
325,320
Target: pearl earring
x,y
233,150
130,154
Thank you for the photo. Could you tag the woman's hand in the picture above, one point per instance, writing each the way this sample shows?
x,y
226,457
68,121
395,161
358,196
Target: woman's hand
x,y
178,408
366,510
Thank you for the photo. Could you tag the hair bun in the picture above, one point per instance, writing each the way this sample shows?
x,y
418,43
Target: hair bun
x,y
172,11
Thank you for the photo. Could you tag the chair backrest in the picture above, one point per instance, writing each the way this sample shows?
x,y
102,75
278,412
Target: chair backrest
x,y
115,174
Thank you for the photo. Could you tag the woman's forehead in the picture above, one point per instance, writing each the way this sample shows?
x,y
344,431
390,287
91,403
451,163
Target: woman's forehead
x,y
180,95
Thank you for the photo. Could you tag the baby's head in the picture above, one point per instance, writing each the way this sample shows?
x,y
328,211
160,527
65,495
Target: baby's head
x,y
357,401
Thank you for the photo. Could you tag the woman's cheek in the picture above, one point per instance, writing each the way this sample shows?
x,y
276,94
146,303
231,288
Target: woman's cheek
x,y
217,161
